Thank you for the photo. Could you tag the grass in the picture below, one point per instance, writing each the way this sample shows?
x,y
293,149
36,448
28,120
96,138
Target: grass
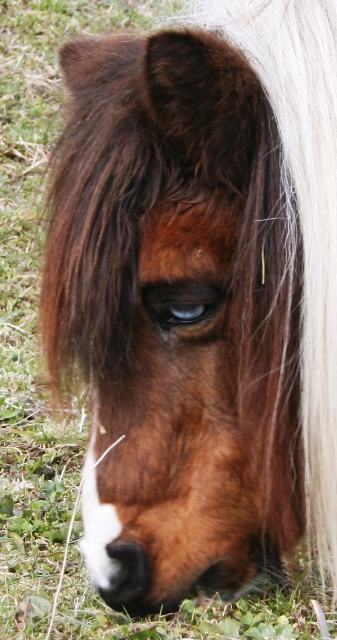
x,y
41,451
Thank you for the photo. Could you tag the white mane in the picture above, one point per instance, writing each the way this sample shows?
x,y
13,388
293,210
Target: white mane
x,y
292,45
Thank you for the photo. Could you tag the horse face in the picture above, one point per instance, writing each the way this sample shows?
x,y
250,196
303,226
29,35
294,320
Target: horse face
x,y
175,510
166,207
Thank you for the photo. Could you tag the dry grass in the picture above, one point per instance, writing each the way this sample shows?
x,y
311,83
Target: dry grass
x,y
40,457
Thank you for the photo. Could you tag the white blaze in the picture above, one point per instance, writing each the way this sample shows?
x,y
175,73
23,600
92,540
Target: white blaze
x,y
101,526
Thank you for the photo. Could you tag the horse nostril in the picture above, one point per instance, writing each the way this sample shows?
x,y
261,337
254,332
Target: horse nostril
x,y
132,579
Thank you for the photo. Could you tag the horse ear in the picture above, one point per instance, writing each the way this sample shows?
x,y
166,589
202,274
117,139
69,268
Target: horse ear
x,y
203,92
90,62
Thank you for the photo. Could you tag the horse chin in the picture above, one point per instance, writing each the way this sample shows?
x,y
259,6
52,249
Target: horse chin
x,y
218,580
130,592
230,585
203,589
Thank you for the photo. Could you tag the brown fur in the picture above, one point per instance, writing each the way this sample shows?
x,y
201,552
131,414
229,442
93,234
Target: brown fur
x,y
166,176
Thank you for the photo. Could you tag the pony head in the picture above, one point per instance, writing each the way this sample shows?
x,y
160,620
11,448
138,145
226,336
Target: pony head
x,y
168,281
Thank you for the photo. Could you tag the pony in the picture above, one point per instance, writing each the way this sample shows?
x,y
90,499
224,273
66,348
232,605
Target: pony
x,y
189,280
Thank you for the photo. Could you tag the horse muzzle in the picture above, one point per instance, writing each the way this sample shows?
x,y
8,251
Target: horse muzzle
x,y
132,579
131,583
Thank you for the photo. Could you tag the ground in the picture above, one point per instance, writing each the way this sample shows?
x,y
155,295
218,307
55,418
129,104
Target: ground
x,y
41,448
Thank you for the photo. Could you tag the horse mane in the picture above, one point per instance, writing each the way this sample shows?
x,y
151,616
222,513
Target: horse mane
x,y
292,48
111,165
100,189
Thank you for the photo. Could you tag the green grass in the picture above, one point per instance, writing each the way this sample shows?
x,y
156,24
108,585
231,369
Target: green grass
x,y
41,450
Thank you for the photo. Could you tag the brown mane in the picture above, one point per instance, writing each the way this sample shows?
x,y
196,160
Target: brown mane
x,y
111,165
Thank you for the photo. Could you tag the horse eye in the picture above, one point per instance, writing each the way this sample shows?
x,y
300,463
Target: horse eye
x,y
187,313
